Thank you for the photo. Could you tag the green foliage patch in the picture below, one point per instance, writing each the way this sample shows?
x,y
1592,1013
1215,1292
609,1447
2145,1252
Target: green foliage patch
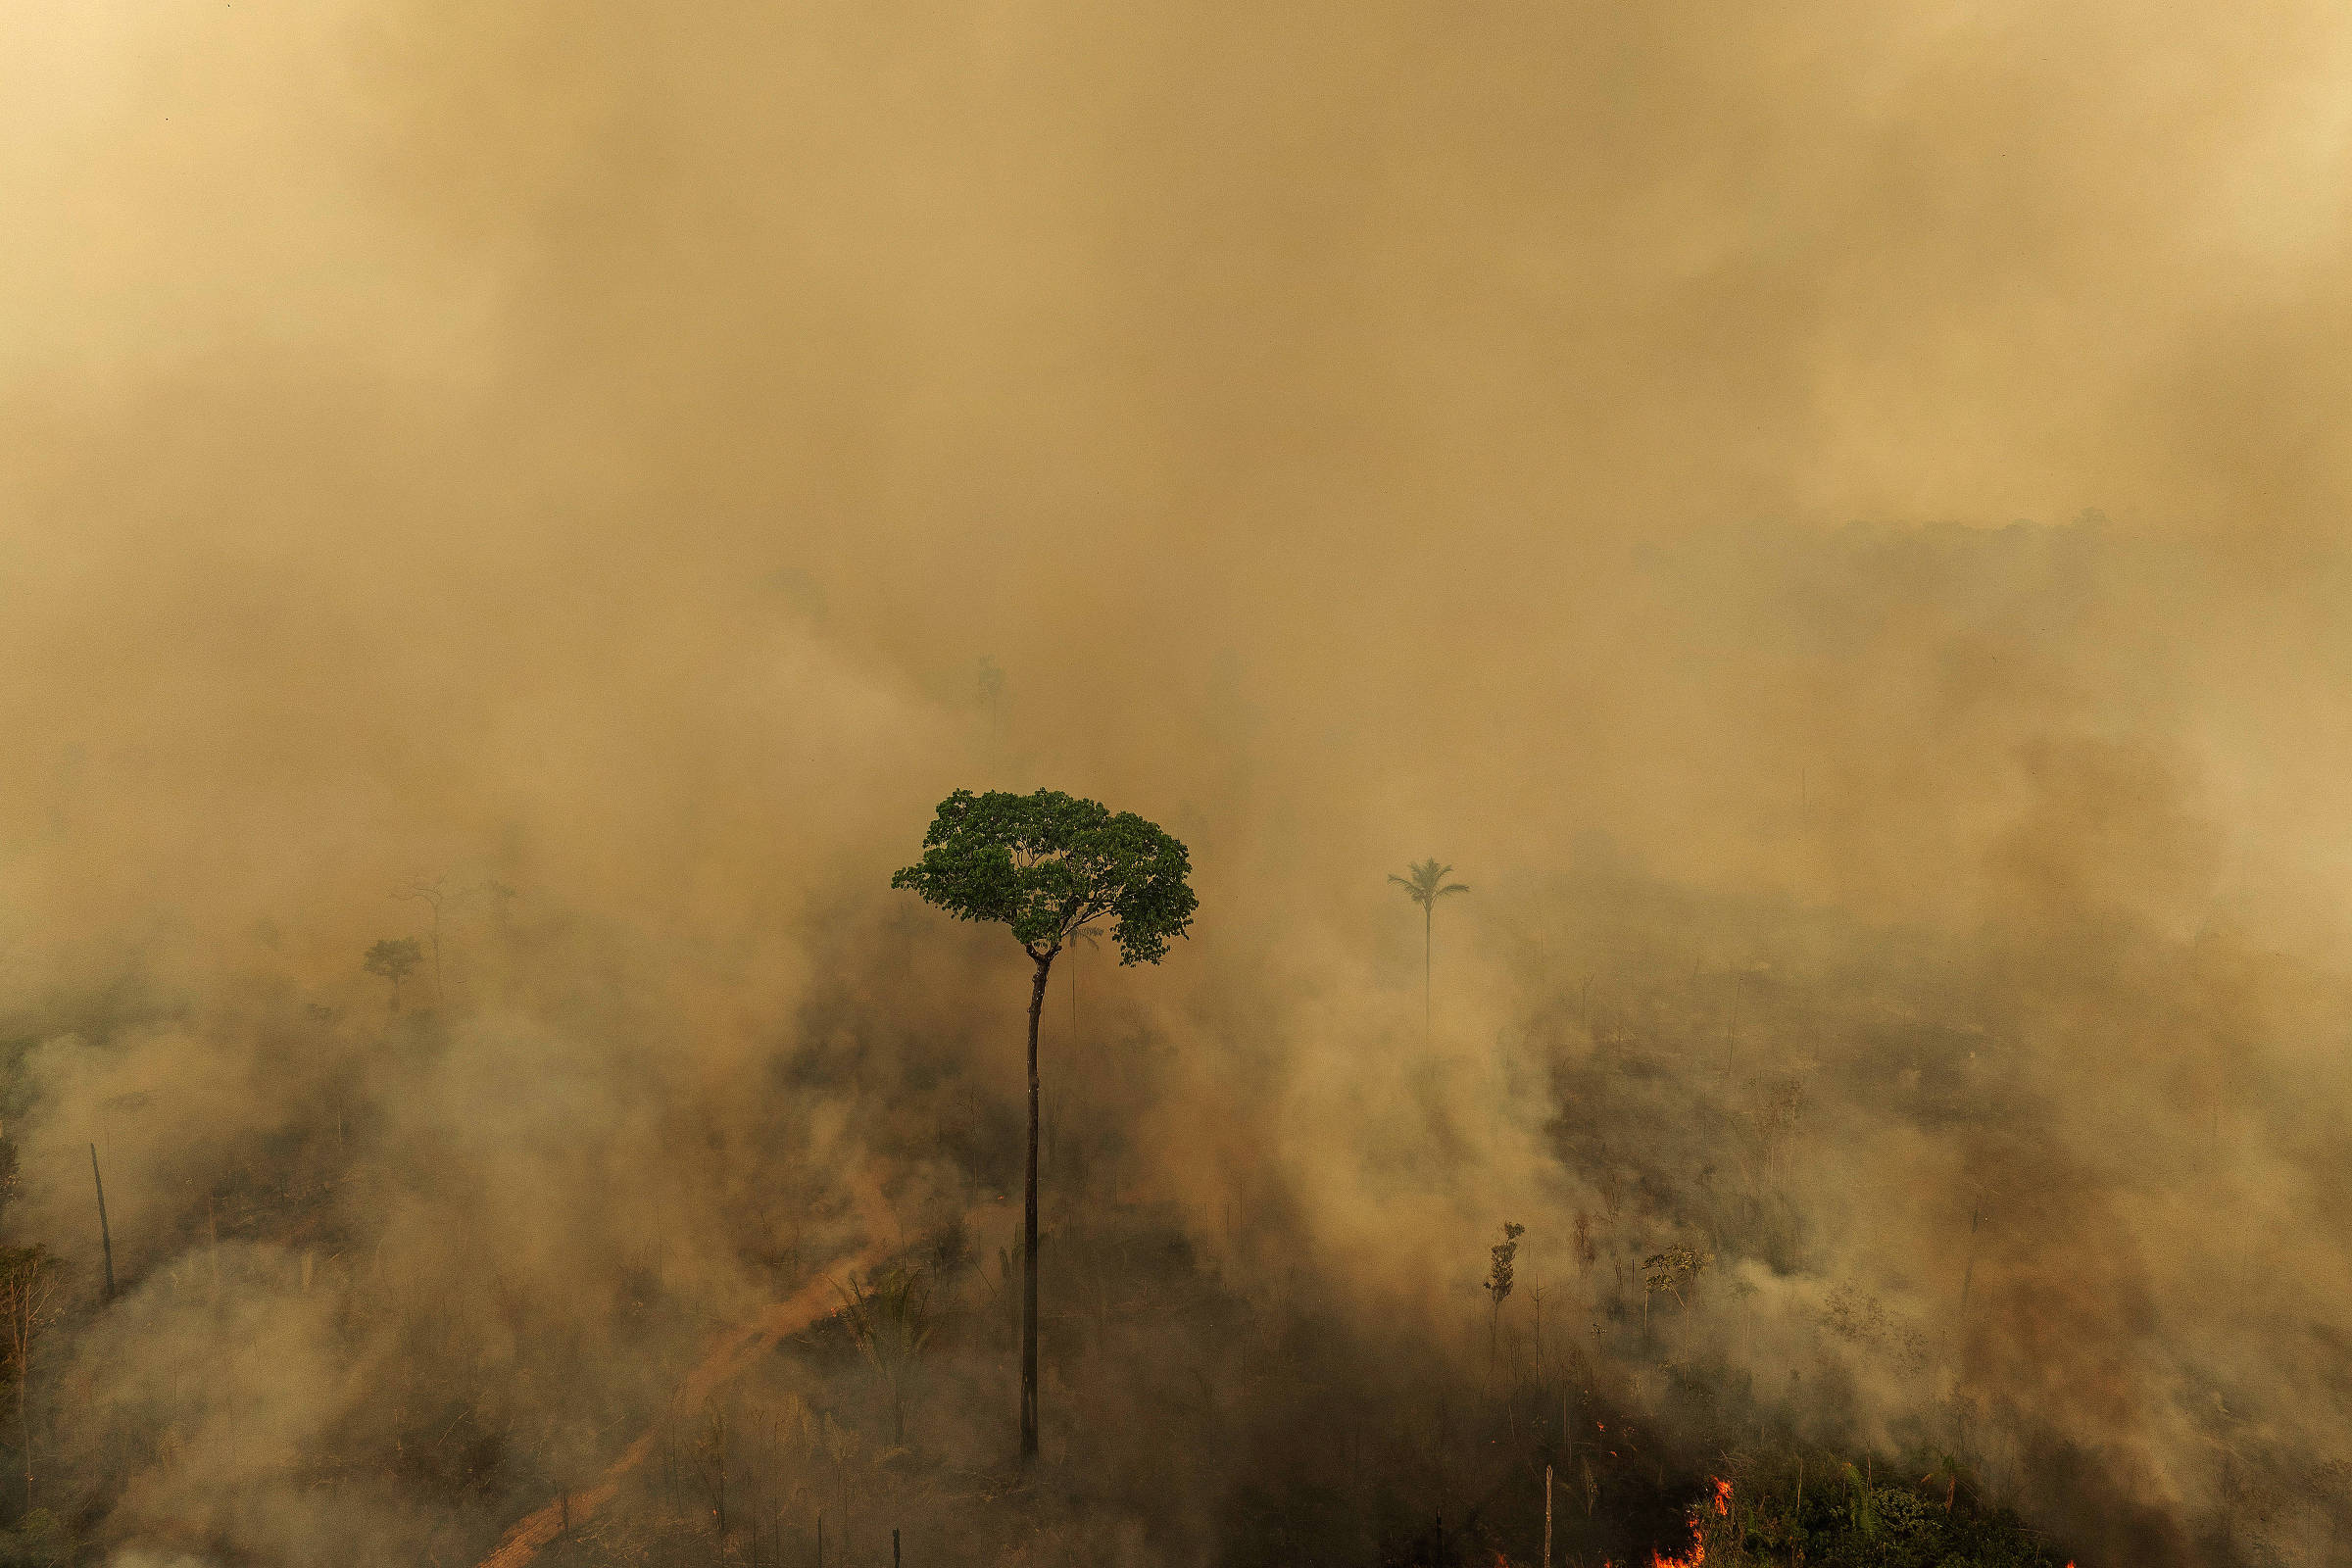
x,y
1828,1512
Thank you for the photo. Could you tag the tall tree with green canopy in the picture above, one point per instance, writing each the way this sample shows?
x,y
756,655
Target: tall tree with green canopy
x,y
1425,884
1048,864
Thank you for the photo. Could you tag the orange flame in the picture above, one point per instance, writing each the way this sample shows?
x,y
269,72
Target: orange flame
x,y
1697,1554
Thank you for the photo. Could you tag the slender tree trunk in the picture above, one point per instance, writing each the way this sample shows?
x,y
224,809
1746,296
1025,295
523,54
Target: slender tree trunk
x,y
1037,1003
1429,916
1548,1517
106,1241
23,1317
1975,1217
1794,1548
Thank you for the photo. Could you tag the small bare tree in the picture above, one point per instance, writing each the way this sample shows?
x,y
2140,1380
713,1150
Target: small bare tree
x,y
28,1303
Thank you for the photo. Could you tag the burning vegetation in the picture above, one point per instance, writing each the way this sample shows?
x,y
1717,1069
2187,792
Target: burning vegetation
x,y
521,524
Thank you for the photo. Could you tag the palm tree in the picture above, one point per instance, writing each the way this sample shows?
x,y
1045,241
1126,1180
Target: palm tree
x,y
888,1314
1425,885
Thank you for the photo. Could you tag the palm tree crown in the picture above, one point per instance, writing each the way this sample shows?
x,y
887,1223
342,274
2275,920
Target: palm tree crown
x,y
1427,883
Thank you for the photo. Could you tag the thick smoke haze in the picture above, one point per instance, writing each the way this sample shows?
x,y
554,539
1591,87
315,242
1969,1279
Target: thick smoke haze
x,y
1825,518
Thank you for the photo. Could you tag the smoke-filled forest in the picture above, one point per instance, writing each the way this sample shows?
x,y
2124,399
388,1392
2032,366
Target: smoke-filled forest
x,y
1399,785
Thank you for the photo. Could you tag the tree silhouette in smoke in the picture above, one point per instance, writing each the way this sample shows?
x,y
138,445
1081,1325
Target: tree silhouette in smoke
x,y
1425,884
991,683
1048,864
395,960
1501,1269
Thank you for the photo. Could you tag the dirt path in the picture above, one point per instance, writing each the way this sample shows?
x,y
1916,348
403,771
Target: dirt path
x,y
733,1351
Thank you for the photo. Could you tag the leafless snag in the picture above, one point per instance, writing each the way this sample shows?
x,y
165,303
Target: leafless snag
x,y
430,893
29,1280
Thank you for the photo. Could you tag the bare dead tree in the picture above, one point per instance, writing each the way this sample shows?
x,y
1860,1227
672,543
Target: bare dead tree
x,y
28,1303
429,892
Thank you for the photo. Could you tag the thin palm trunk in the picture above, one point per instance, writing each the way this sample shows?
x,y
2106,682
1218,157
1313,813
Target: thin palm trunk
x,y
1424,887
1429,929
1037,1003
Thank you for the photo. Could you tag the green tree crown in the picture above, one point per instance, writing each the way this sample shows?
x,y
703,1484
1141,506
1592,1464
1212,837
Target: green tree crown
x,y
1048,864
